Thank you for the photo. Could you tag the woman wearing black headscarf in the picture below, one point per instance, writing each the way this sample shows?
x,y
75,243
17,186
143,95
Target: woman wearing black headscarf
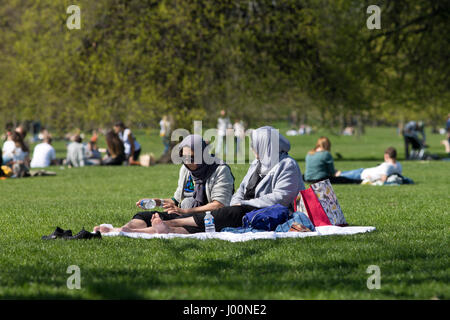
x,y
205,184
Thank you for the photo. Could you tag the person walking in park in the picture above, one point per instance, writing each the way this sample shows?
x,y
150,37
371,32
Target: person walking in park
x,y
131,145
44,154
273,178
223,124
202,186
239,136
165,132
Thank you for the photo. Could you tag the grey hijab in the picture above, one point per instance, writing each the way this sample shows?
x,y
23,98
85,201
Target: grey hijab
x,y
270,146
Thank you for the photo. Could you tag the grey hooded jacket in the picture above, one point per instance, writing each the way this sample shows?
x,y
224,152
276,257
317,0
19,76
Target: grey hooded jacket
x,y
281,185
219,186
283,179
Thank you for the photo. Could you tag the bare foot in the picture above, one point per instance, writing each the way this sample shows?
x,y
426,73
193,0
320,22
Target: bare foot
x,y
102,229
127,229
159,225
105,229
155,217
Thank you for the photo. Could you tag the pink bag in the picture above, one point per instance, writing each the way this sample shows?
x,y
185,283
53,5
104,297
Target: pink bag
x,y
319,202
313,208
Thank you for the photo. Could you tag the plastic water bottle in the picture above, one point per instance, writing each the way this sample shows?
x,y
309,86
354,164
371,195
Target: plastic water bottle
x,y
149,203
209,222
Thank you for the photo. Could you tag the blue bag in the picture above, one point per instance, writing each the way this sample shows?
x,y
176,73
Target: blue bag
x,y
267,218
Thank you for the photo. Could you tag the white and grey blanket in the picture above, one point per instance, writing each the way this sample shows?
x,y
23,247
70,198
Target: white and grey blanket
x,y
240,237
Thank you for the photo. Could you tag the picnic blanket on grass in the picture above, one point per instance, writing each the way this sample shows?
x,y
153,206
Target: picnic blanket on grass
x,y
240,237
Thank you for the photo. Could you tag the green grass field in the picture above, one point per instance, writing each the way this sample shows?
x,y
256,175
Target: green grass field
x,y
411,244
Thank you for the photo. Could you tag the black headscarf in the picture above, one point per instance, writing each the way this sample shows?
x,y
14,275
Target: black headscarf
x,y
203,171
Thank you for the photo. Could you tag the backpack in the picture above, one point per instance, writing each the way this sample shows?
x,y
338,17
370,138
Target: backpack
x,y
397,178
266,218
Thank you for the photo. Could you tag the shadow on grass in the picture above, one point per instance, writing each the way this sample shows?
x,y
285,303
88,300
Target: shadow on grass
x,y
239,272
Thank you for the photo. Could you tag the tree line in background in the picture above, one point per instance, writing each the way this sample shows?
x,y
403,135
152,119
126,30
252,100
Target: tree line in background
x,y
136,60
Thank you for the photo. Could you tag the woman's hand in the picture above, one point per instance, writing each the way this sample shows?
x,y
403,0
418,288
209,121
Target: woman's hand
x,y
157,201
166,201
138,204
170,207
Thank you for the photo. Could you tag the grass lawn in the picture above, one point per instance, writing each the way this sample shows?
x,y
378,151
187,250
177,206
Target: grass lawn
x,y
411,244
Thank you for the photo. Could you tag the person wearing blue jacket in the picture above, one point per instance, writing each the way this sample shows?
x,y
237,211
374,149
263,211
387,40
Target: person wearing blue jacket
x,y
273,178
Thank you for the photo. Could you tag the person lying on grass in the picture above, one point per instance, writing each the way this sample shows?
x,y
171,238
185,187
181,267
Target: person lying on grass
x,y
273,178
203,185
378,173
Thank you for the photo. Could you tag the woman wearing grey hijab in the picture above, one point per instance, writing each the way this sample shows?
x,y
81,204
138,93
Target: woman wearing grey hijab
x,y
205,184
273,178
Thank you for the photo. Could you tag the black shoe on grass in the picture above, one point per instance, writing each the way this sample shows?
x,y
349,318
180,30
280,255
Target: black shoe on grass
x,y
83,234
58,233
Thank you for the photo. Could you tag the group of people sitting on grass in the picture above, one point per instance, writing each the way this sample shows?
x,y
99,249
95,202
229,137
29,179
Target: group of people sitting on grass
x,y
122,147
207,184
15,155
320,166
